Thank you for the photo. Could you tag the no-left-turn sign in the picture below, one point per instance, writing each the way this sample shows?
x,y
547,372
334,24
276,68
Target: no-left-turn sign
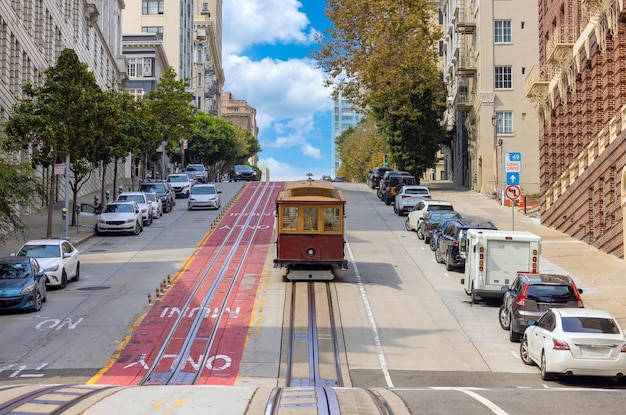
x,y
513,192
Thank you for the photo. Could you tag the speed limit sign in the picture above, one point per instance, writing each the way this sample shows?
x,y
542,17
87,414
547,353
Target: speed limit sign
x,y
513,192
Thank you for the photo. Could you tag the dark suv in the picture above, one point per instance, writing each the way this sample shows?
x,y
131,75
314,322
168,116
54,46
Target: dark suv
x,y
374,176
164,190
532,294
393,185
242,172
384,182
447,250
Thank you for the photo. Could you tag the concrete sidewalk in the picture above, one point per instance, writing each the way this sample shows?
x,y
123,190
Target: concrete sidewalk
x,y
601,276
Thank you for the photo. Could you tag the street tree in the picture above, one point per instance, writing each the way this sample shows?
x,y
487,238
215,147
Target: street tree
x,y
57,119
213,142
170,106
382,56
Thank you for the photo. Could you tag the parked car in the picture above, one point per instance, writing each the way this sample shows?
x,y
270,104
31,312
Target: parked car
x,y
530,295
416,214
22,284
384,181
327,178
340,179
155,203
448,246
165,192
142,201
394,184
576,341
436,233
407,196
375,175
242,172
432,219
181,184
59,259
204,195
120,217
198,171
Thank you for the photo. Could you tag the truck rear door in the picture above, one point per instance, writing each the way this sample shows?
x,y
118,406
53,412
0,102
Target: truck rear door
x,y
505,259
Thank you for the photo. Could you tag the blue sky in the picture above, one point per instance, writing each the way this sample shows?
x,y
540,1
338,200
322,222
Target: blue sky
x,y
266,45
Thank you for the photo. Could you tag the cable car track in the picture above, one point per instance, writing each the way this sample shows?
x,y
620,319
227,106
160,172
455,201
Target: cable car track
x,y
233,243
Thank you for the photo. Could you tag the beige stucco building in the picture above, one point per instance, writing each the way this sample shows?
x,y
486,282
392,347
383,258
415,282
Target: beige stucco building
x,y
487,50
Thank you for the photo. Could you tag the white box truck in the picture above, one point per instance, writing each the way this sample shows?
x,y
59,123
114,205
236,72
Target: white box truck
x,y
494,257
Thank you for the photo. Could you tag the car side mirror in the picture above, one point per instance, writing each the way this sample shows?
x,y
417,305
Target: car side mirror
x,y
531,322
580,291
504,288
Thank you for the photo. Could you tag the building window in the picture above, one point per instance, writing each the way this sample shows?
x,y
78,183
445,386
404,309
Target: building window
x,y
152,7
505,122
502,31
137,93
503,78
154,29
139,68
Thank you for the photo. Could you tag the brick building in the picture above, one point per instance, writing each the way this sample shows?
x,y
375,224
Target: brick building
x,y
579,90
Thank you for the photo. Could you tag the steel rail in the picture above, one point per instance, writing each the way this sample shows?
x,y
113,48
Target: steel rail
x,y
166,377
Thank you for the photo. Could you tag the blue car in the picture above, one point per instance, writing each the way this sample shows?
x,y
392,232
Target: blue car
x,y
22,284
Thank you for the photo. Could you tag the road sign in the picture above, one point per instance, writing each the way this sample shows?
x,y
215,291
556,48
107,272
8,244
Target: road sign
x,y
512,178
512,162
513,192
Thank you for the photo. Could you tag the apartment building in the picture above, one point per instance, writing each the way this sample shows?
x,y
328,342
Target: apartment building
x,y
487,50
208,75
579,89
34,33
172,21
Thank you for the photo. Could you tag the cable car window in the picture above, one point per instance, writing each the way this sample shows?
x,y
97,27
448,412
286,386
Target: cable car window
x,y
310,219
331,219
290,218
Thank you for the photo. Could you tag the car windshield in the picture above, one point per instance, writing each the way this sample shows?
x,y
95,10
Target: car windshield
x,y
203,190
590,325
152,187
151,197
181,178
132,198
194,168
40,251
13,271
122,207
410,191
439,215
243,168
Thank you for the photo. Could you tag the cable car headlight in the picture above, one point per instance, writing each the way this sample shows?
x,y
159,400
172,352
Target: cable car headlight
x,y
310,252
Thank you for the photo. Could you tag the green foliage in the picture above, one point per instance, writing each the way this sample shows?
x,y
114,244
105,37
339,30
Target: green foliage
x,y
212,140
18,188
382,56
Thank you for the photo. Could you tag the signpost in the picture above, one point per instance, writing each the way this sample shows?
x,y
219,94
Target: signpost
x,y
513,167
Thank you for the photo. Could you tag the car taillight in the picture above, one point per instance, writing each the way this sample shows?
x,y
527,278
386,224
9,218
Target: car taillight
x,y
559,345
623,349
405,196
522,298
578,299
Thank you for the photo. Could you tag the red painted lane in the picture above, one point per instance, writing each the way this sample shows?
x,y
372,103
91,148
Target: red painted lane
x,y
132,362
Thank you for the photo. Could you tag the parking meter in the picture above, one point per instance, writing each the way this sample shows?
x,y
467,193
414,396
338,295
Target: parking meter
x,y
64,213
96,199
120,189
107,194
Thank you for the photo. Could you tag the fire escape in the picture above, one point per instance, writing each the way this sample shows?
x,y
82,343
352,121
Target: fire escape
x,y
465,29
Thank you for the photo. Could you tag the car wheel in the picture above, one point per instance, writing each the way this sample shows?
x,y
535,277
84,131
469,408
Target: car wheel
x,y
407,225
504,317
448,266
523,352
513,335
137,229
545,375
77,275
426,238
433,244
39,299
420,232
63,280
438,257
395,209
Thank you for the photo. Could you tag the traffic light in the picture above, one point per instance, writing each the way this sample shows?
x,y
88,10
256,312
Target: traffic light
x,y
385,162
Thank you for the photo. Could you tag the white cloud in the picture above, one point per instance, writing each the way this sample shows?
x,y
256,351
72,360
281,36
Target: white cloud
x,y
249,22
280,171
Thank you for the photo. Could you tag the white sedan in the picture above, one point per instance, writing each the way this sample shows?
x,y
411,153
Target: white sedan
x,y
204,195
576,341
416,214
58,258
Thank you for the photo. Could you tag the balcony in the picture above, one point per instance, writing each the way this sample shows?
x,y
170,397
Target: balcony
x,y
560,45
466,65
465,23
537,83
